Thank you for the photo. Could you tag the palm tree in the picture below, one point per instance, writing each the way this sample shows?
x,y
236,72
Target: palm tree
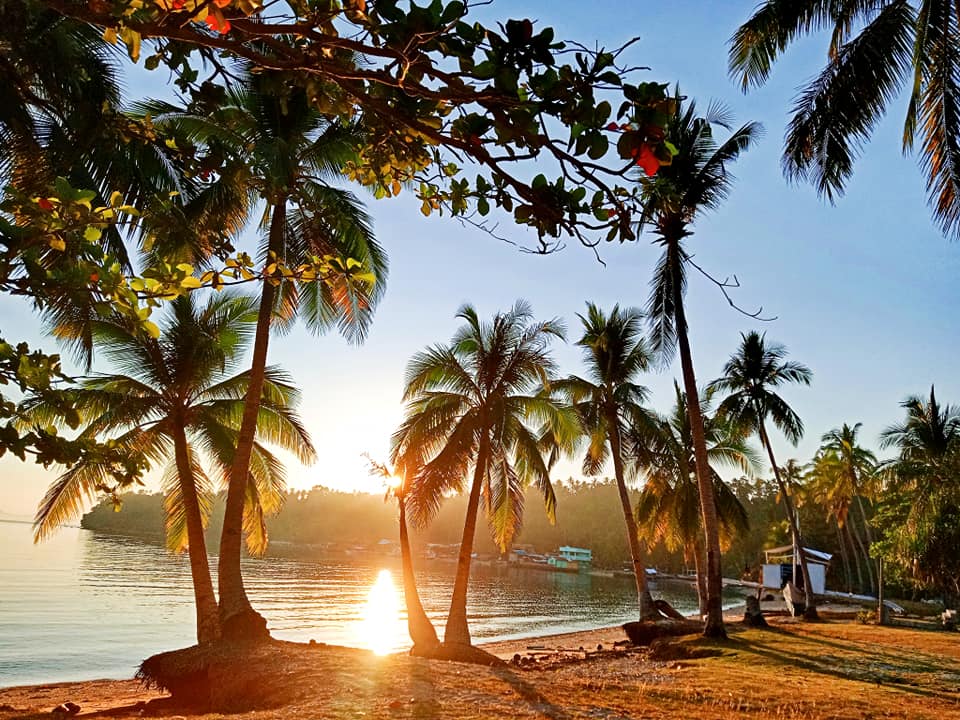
x,y
174,401
750,377
421,630
470,406
286,154
926,475
668,510
608,402
857,468
898,43
829,485
696,181
928,445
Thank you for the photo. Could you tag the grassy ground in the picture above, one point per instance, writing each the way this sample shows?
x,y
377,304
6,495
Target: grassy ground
x,y
828,670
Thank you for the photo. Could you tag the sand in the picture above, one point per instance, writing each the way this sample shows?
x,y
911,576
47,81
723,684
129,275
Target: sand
x,y
834,669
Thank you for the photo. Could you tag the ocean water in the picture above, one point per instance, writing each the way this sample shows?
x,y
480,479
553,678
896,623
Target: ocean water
x,y
85,605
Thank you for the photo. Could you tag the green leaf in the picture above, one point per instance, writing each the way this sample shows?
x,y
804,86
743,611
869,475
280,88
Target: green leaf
x,y
92,233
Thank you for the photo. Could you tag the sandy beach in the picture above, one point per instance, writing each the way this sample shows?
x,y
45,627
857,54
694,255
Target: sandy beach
x,y
833,669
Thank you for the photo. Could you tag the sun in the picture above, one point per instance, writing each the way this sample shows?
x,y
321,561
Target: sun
x,y
382,629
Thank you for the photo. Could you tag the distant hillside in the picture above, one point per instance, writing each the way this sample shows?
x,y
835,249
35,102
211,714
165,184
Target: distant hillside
x,y
588,515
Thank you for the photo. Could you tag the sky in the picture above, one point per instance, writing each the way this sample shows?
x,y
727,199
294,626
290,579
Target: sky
x,y
864,292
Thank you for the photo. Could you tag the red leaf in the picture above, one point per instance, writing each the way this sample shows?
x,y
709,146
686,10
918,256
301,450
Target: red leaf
x,y
220,25
647,161
45,204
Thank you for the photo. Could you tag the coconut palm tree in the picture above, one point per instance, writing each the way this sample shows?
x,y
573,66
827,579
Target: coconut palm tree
x,y
422,632
668,509
857,476
928,447
698,180
480,410
876,48
175,401
829,485
609,401
925,477
750,377
288,156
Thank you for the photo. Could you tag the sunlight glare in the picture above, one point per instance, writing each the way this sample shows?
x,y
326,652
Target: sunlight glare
x,y
382,627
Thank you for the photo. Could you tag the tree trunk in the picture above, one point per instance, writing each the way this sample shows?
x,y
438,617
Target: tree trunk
x,y
645,605
843,555
418,624
856,559
208,617
697,548
864,555
457,631
713,626
810,598
869,541
239,621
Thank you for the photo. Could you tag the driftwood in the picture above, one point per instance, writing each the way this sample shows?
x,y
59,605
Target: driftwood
x,y
644,633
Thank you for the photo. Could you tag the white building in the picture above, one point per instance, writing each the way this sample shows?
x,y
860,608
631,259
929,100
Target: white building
x,y
779,568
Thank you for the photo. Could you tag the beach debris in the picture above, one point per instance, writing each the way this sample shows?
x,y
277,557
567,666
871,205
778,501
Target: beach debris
x,y
949,619
599,647
7,708
67,708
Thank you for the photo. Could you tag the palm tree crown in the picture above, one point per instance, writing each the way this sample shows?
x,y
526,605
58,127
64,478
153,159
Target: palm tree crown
x,y
876,48
481,392
750,377
669,505
928,445
181,381
615,354
697,180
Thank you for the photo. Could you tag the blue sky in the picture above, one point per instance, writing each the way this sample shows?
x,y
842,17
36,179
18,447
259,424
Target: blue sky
x,y
864,291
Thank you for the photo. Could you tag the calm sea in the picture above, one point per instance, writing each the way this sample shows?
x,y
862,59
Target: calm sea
x,y
85,605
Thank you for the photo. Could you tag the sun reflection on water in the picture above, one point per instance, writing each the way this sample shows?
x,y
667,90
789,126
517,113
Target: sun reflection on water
x,y
383,629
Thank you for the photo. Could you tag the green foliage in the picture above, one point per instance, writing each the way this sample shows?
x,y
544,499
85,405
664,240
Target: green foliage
x,y
897,44
920,513
428,86
668,509
179,381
